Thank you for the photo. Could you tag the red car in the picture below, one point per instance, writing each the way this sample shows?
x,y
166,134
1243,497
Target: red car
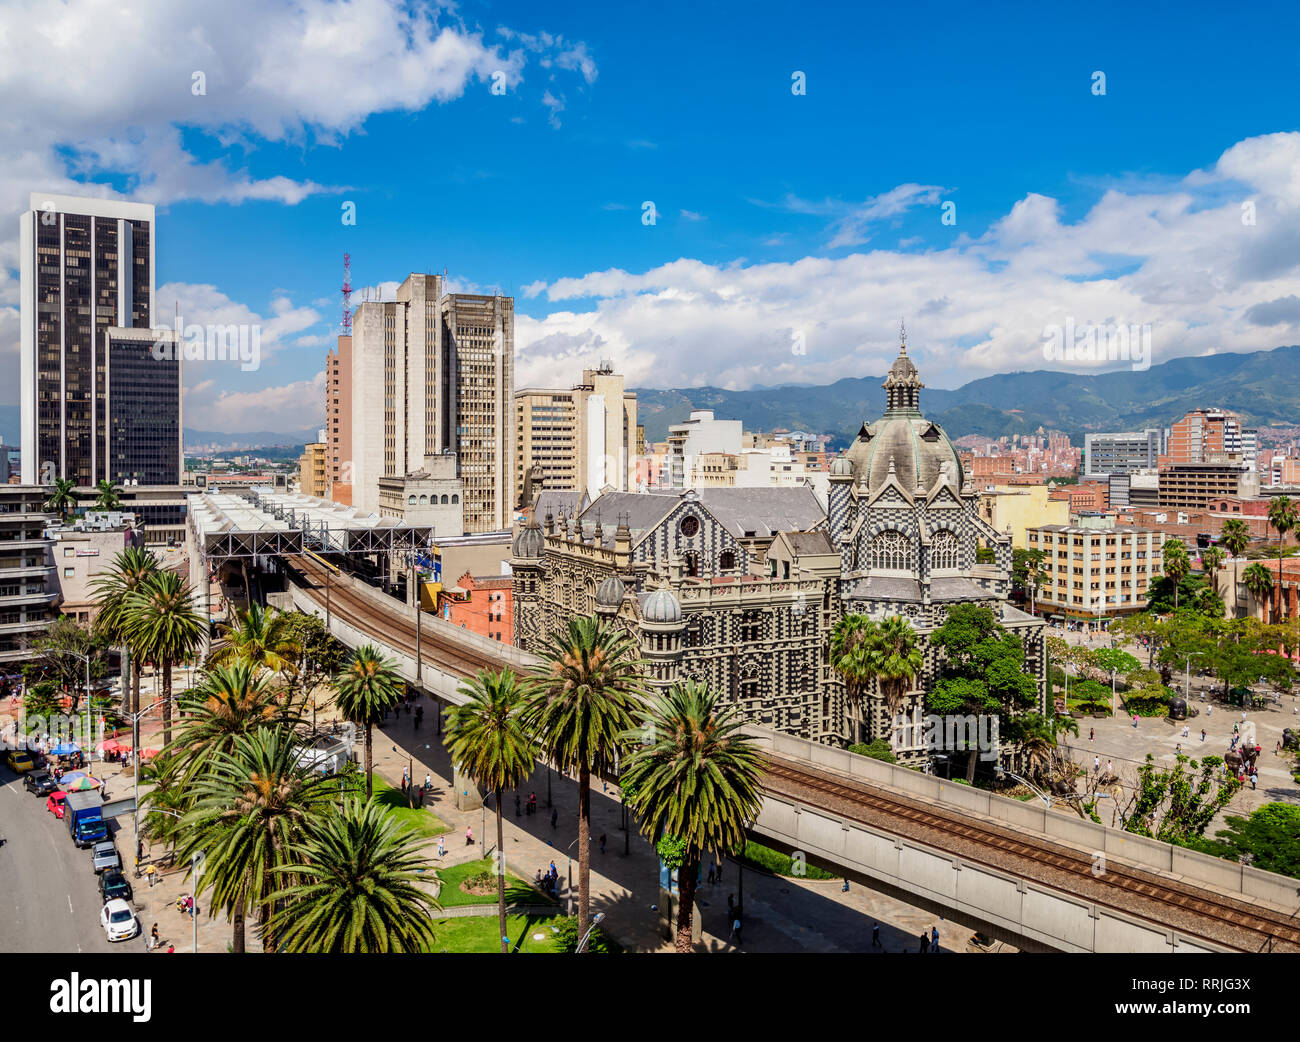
x,y
55,803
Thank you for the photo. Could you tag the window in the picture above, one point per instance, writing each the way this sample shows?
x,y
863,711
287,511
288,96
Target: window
x,y
410,501
68,573
455,498
750,625
693,565
444,501
424,500
727,560
943,551
690,525
891,550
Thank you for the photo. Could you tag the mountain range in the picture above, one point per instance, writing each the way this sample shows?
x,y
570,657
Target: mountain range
x,y
1262,386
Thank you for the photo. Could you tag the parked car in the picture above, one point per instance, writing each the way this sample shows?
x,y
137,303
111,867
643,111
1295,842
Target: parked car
x,y
118,921
20,760
113,886
56,803
40,783
104,855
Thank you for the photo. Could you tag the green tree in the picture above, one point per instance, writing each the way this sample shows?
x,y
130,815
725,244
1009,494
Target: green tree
x,y
1026,573
107,495
580,699
895,657
130,569
367,688
1177,565
1212,559
696,780
352,886
1258,580
486,736
320,654
1236,537
851,641
1282,516
63,497
59,653
983,672
1037,736
251,810
162,626
1175,804
1269,838
228,702
259,636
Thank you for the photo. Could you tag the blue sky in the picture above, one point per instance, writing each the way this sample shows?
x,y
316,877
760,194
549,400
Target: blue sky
x,y
817,214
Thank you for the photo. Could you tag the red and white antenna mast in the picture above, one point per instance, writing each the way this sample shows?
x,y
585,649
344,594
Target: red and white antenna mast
x,y
347,294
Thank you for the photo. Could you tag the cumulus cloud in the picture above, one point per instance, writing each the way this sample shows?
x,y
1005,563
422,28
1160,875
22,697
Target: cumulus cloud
x,y
285,407
1180,258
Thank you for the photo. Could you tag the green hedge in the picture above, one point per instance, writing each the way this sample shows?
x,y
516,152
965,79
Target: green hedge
x,y
877,750
758,856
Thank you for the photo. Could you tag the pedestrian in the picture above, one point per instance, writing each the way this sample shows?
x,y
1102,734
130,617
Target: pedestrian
x,y
532,803
602,842
735,930
1202,734
420,802
555,816
1096,764
925,942
720,864
418,713
1209,710
875,935
428,782
1092,734
1135,721
469,836
442,846
1178,749
713,874
731,905
1253,779
518,809
845,888
1110,768
403,784
1243,716
934,939
154,940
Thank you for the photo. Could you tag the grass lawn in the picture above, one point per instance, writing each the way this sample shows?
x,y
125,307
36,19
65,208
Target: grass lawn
x,y
516,889
424,822
479,934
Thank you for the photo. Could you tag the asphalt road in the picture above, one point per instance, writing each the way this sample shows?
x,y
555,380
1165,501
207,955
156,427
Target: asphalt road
x,y
49,896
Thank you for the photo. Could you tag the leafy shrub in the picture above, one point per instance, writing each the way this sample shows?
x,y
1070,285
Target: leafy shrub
x,y
758,856
877,750
566,939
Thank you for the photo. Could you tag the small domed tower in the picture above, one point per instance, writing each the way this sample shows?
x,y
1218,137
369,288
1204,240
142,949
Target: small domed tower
x,y
661,637
526,583
609,596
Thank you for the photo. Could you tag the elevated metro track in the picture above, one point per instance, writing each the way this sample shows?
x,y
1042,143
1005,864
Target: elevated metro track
x,y
1166,902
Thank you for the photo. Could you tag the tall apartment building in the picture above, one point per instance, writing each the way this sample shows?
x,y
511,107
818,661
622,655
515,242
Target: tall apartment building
x,y
580,439
698,435
86,272
1210,436
432,372
1123,452
27,592
338,422
1091,572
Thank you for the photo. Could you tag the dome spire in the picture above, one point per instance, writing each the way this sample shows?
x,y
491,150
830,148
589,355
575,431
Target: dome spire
x,y
903,384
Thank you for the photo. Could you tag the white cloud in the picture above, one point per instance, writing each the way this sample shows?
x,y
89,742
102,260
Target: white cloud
x,y
287,407
1178,259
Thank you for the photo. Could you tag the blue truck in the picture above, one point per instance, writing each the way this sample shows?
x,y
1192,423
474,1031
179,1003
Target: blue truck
x,y
84,813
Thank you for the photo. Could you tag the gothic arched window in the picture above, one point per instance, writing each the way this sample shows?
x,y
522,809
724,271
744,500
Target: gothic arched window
x,y
727,560
944,550
892,550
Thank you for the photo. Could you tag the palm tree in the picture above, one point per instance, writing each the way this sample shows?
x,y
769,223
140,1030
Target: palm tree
x,y
895,659
487,738
259,636
1282,515
1211,560
252,808
851,638
162,625
107,499
63,497
1236,537
580,698
354,886
228,702
1258,580
694,784
1176,565
128,572
366,689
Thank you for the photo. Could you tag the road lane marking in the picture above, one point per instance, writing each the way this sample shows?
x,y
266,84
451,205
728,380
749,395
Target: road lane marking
x,y
70,911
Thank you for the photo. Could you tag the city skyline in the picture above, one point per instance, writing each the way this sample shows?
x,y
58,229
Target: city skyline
x,y
786,241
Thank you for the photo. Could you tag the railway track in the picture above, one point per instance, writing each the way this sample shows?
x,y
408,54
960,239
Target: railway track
x,y
1166,903
393,627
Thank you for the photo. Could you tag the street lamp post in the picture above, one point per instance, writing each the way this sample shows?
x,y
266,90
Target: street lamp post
x,y
415,599
595,921
139,760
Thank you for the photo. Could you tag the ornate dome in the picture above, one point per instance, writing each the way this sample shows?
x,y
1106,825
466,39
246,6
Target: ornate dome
x,y
841,467
609,594
903,442
529,542
662,607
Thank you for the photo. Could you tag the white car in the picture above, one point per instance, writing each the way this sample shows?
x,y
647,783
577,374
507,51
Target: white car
x,y
118,921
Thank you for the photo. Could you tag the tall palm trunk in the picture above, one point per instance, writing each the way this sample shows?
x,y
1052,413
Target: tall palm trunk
x,y
136,672
584,848
237,935
501,878
686,877
370,763
268,935
1281,593
167,700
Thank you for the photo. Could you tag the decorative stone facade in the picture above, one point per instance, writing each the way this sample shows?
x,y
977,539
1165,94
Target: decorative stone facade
x,y
741,588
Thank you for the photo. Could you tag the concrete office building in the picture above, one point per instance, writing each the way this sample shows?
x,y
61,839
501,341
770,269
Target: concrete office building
x,y
582,438
313,469
1124,452
1196,484
27,590
699,435
433,372
86,270
1092,571
1211,435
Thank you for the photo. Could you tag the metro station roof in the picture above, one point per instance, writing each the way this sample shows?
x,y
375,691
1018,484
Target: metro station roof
x,y
265,521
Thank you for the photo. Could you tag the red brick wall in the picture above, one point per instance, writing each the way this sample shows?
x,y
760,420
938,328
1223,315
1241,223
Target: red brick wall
x,y
488,609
